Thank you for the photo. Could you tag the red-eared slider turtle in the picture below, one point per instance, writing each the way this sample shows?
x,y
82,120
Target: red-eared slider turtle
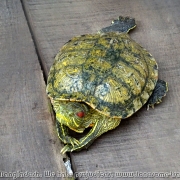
x,y
98,79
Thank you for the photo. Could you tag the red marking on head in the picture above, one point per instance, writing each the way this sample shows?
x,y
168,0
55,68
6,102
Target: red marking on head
x,y
80,114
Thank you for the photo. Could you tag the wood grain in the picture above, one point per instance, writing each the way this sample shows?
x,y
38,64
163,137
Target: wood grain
x,y
149,140
28,141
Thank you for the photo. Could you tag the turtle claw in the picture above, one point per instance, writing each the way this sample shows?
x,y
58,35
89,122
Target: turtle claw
x,y
67,148
70,148
74,142
71,141
150,105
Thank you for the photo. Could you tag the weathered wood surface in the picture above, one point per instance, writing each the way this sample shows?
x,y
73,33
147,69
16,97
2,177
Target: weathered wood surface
x,y
28,142
149,141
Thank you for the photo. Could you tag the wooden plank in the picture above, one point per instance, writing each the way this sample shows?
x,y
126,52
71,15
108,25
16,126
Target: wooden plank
x,y
149,140
28,140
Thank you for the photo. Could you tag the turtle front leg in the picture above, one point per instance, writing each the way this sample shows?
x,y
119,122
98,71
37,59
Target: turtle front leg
x,y
63,134
159,92
100,127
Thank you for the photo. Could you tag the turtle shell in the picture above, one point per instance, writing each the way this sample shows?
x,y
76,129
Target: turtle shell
x,y
110,72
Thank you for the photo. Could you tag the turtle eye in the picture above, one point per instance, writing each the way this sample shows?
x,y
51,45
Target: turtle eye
x,y
80,114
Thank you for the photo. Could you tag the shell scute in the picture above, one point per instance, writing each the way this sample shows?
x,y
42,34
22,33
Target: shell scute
x,y
110,72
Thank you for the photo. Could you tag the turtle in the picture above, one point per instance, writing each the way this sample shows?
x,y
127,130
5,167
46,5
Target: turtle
x,y
99,79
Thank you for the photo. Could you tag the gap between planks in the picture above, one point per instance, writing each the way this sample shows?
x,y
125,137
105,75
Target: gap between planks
x,y
44,70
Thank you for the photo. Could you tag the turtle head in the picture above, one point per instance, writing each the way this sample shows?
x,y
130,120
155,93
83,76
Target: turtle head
x,y
74,115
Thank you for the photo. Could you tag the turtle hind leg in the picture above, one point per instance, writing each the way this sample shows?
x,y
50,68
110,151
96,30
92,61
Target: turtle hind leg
x,y
122,24
159,92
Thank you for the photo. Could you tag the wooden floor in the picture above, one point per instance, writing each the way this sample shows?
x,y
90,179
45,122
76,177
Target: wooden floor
x,y
31,33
